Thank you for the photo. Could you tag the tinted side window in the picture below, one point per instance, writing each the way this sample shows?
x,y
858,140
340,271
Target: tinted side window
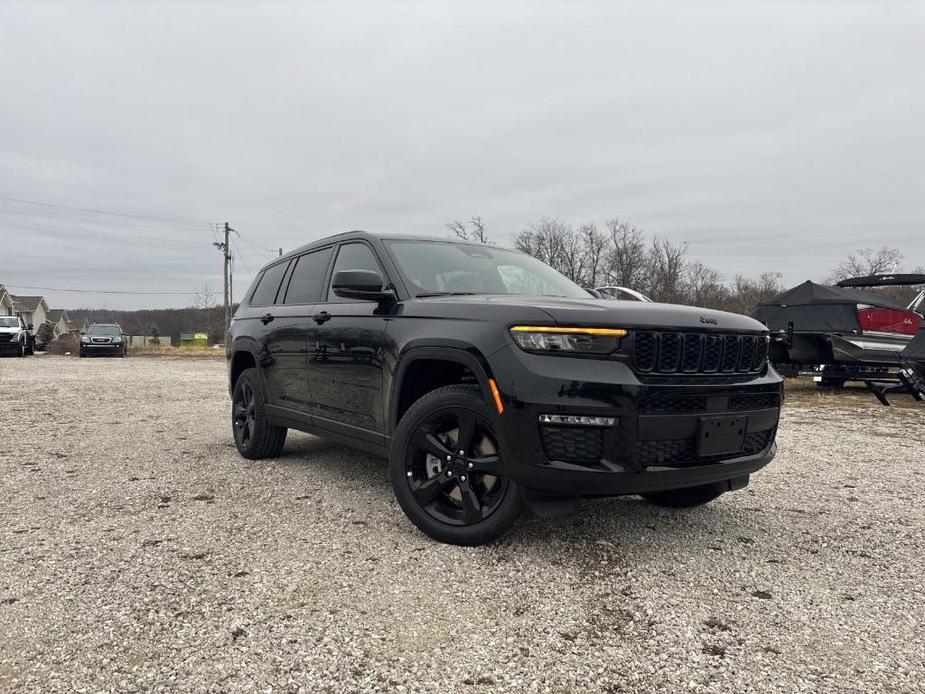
x,y
265,293
308,277
353,256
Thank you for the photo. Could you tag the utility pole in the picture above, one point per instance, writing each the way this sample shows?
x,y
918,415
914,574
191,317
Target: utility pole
x,y
225,248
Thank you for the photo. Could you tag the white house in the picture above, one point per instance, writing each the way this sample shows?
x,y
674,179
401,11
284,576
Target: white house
x,y
6,302
33,309
58,318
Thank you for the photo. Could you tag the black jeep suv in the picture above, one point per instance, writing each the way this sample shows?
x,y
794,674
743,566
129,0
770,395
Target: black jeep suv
x,y
492,382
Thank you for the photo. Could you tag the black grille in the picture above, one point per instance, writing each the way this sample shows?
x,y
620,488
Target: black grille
x,y
679,404
572,444
684,451
673,404
730,353
669,352
657,351
754,401
712,353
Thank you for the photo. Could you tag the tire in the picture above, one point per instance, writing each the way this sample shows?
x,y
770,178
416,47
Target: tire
x,y
687,497
464,500
21,350
254,436
81,354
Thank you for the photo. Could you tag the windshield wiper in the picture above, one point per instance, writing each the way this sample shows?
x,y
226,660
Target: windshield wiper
x,y
421,296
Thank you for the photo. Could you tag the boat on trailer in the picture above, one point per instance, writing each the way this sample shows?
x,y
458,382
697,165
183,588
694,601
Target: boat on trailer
x,y
846,331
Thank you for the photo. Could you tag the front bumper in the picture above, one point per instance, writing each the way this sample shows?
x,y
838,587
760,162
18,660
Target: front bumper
x,y
7,347
653,444
102,349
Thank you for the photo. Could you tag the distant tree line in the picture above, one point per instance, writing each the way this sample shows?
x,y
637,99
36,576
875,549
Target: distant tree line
x,y
620,254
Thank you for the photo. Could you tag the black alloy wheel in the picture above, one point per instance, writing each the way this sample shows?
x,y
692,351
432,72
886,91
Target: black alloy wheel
x,y
245,415
447,469
254,436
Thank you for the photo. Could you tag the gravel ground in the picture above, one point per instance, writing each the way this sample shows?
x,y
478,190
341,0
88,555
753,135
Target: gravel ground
x,y
139,552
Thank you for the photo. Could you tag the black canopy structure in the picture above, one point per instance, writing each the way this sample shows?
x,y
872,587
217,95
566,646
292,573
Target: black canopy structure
x,y
820,308
915,350
891,280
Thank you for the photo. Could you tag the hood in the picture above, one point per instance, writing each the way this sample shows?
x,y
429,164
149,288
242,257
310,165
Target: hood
x,y
8,331
590,311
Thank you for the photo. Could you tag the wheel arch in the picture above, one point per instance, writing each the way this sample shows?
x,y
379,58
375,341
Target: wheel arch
x,y
243,357
403,392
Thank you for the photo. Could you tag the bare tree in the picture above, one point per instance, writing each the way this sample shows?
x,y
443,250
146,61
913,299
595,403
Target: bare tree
x,y
666,262
627,262
473,230
703,286
867,261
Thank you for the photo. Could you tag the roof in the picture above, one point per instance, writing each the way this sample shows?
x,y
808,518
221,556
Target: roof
x,y
27,303
364,235
53,315
76,324
812,294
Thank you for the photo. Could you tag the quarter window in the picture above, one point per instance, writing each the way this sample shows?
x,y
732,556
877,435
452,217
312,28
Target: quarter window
x,y
308,278
265,293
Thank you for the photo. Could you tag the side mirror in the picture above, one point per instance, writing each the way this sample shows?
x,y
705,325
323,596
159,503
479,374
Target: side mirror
x,y
365,285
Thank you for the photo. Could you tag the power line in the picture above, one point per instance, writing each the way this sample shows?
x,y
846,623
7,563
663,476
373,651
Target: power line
x,y
79,220
36,226
176,220
241,256
98,291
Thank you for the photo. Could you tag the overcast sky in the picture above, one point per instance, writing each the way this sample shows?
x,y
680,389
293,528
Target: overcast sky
x,y
768,136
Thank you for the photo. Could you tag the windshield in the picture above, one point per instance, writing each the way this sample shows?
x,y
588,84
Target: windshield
x,y
9,322
436,268
108,330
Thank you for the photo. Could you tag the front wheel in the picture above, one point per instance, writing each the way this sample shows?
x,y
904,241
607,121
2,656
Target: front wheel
x,y
254,436
21,351
687,497
447,469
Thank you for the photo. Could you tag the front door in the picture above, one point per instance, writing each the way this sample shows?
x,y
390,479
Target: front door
x,y
346,346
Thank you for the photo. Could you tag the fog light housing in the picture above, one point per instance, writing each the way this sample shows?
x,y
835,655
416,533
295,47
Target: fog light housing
x,y
579,420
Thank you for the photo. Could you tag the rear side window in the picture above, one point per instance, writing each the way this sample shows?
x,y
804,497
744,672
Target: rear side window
x,y
308,277
353,256
268,285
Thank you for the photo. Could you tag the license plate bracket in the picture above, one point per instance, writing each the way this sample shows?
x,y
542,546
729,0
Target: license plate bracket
x,y
721,435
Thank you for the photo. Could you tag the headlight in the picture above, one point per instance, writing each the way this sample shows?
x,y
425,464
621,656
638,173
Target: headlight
x,y
538,338
117,340
14,337
85,340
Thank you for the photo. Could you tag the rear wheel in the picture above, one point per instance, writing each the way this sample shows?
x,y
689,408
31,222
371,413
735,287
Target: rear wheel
x,y
687,497
254,436
446,465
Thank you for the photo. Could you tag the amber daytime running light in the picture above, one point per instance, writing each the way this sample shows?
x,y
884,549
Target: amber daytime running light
x,y
544,338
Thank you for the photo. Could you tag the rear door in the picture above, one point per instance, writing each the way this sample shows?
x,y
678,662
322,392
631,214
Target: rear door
x,y
347,343
287,331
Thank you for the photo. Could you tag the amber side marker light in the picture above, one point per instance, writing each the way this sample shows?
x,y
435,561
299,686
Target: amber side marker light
x,y
611,332
496,395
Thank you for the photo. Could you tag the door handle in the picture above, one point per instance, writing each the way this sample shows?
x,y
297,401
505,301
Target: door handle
x,y
266,318
322,317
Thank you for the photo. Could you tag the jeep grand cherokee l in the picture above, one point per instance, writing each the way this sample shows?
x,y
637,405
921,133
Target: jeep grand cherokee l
x,y
492,382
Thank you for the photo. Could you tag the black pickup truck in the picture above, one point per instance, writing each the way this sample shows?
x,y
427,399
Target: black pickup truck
x,y
493,383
